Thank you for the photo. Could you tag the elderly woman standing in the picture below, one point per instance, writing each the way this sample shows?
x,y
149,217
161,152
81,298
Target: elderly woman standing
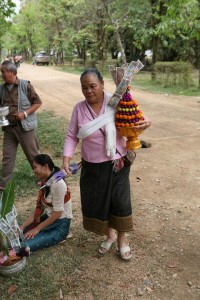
x,y
104,181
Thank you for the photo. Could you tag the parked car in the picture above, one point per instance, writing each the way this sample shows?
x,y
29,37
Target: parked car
x,y
41,58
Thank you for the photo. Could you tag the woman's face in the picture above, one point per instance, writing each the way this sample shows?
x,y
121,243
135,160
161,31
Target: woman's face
x,y
92,88
41,172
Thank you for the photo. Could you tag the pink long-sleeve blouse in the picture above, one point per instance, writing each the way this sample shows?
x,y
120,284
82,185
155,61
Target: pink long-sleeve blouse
x,y
93,146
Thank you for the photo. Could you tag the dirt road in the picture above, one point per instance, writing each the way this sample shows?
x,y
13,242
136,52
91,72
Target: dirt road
x,y
165,190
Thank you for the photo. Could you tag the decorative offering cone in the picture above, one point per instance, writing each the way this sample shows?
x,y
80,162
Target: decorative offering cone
x,y
13,250
128,113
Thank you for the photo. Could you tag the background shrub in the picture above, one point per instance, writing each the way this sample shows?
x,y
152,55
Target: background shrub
x,y
77,62
174,73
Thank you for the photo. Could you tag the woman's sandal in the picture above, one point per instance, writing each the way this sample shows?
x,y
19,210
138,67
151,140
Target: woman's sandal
x,y
105,246
125,252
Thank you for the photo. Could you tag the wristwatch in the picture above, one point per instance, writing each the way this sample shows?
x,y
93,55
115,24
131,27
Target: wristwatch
x,y
25,114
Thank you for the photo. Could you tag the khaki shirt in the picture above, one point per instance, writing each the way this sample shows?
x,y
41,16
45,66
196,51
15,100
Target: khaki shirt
x,y
10,99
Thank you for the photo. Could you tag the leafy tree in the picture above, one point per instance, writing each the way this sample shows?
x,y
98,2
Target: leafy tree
x,y
55,21
169,27
181,26
116,14
28,32
6,10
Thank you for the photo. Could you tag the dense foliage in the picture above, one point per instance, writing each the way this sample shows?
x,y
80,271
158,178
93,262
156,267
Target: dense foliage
x,y
101,28
6,10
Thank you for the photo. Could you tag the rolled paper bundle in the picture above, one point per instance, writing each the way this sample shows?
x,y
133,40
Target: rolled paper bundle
x,y
9,233
129,113
113,72
117,73
120,90
128,71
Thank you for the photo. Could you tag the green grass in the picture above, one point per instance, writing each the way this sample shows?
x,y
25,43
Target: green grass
x,y
45,273
43,276
51,132
143,81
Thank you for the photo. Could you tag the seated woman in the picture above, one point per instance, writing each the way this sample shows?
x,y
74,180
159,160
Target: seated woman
x,y
50,222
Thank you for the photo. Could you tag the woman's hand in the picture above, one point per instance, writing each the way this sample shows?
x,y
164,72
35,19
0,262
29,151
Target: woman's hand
x,y
65,165
28,221
144,124
32,233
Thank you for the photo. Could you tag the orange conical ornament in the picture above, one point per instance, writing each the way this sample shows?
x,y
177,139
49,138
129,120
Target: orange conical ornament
x,y
129,113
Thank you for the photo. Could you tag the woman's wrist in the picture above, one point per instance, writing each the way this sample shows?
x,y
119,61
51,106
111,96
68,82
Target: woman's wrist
x,y
22,227
38,228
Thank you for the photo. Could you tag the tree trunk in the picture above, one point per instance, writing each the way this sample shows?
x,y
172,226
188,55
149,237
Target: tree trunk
x,y
78,48
157,12
117,33
119,44
29,36
155,42
100,35
60,58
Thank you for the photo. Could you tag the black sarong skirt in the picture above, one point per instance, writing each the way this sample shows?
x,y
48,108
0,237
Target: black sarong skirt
x,y
105,198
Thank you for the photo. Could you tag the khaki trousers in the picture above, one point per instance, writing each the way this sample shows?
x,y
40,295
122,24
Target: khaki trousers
x,y
13,136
